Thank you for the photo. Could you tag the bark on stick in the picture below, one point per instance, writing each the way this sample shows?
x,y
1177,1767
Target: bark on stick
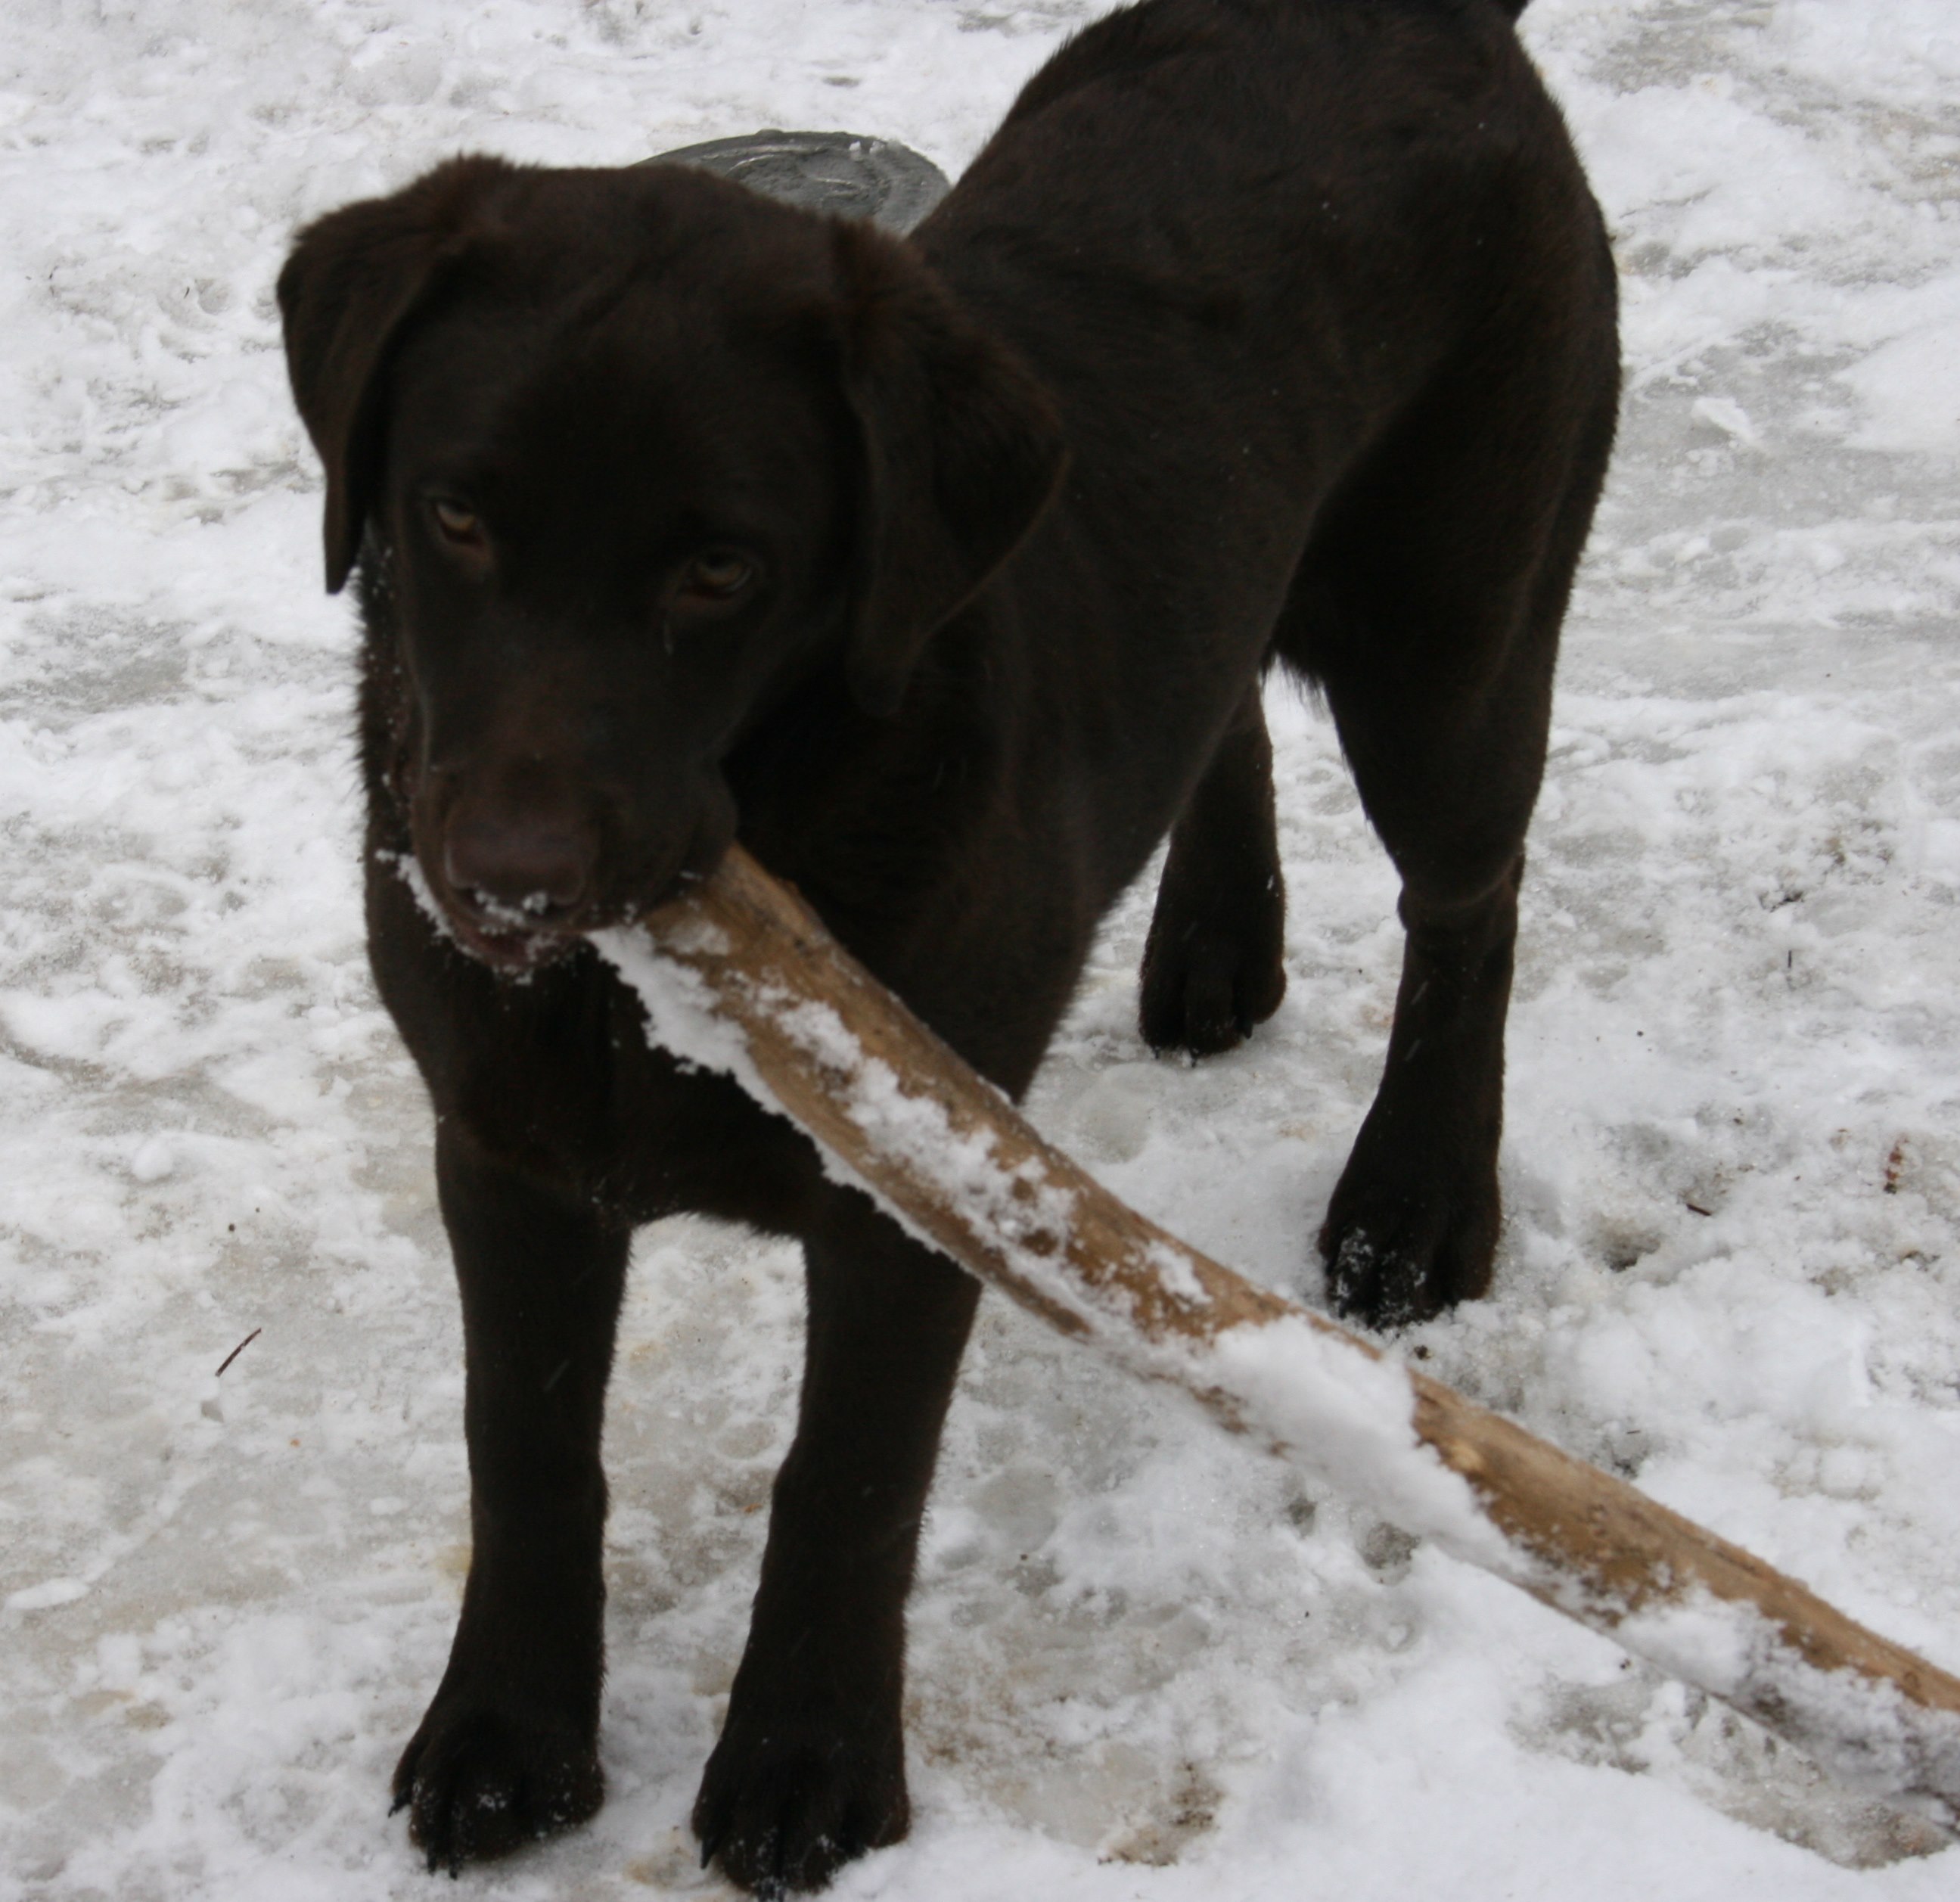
x,y
741,975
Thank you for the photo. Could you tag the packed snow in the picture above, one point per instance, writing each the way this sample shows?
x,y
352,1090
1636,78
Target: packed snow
x,y
1145,1663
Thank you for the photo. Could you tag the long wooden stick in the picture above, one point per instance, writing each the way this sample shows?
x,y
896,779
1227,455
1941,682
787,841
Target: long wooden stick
x,y
741,976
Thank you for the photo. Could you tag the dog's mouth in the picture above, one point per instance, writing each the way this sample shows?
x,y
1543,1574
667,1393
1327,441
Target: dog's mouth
x,y
523,888
516,938
511,938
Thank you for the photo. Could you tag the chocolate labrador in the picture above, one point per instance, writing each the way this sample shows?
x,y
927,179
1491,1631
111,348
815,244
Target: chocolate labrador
x,y
943,571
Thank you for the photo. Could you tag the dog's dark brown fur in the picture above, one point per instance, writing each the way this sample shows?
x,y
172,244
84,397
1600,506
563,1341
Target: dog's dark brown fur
x,y
944,572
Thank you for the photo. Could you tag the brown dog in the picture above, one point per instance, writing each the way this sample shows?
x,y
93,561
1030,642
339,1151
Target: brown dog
x,y
944,572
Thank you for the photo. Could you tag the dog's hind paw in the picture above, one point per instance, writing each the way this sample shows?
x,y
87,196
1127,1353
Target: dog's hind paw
x,y
1203,989
478,1783
783,1809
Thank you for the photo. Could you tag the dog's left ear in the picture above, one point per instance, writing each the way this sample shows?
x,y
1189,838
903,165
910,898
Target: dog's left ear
x,y
962,452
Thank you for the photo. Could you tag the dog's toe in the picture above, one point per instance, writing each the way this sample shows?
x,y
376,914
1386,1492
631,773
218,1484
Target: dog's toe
x,y
478,1783
1376,1282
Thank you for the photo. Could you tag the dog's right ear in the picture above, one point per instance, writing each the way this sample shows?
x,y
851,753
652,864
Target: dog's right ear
x,y
355,278
961,449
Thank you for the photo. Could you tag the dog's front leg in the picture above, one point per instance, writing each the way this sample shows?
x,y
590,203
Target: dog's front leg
x,y
810,1771
508,1751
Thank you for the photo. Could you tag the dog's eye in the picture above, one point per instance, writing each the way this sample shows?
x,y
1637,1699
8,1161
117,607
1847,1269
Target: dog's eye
x,y
459,526
716,575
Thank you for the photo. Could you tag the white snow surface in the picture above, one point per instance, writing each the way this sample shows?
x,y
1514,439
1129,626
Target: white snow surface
x,y
1145,1662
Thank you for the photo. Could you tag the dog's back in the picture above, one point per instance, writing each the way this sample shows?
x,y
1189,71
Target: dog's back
x,y
1242,243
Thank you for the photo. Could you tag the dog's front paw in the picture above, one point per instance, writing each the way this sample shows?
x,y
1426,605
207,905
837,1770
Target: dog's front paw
x,y
1204,987
785,1803
479,1782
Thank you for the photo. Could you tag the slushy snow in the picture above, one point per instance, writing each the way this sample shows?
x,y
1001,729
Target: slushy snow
x,y
1145,1662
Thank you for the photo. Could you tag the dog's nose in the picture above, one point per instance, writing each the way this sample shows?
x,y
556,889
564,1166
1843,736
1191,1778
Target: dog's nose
x,y
538,869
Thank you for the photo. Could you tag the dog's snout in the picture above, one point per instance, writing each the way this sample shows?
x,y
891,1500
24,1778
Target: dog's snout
x,y
537,868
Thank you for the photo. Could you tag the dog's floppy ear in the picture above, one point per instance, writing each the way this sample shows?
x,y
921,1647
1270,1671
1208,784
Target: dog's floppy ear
x,y
961,449
354,278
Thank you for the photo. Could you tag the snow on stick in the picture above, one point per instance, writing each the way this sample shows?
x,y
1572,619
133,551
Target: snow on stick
x,y
741,977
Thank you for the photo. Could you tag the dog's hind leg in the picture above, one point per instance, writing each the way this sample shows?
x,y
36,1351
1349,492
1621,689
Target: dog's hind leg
x,y
1212,964
1428,607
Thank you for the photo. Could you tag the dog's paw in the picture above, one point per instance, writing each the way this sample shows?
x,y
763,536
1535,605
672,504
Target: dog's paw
x,y
1204,987
784,1804
1393,1262
478,1782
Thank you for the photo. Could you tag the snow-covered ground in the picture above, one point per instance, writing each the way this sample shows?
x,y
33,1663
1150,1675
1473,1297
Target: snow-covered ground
x,y
1145,1664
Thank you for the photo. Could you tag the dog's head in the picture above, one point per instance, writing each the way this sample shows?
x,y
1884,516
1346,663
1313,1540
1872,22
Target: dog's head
x,y
624,453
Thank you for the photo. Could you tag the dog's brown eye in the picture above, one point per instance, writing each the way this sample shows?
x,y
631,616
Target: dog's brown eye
x,y
460,526
716,575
